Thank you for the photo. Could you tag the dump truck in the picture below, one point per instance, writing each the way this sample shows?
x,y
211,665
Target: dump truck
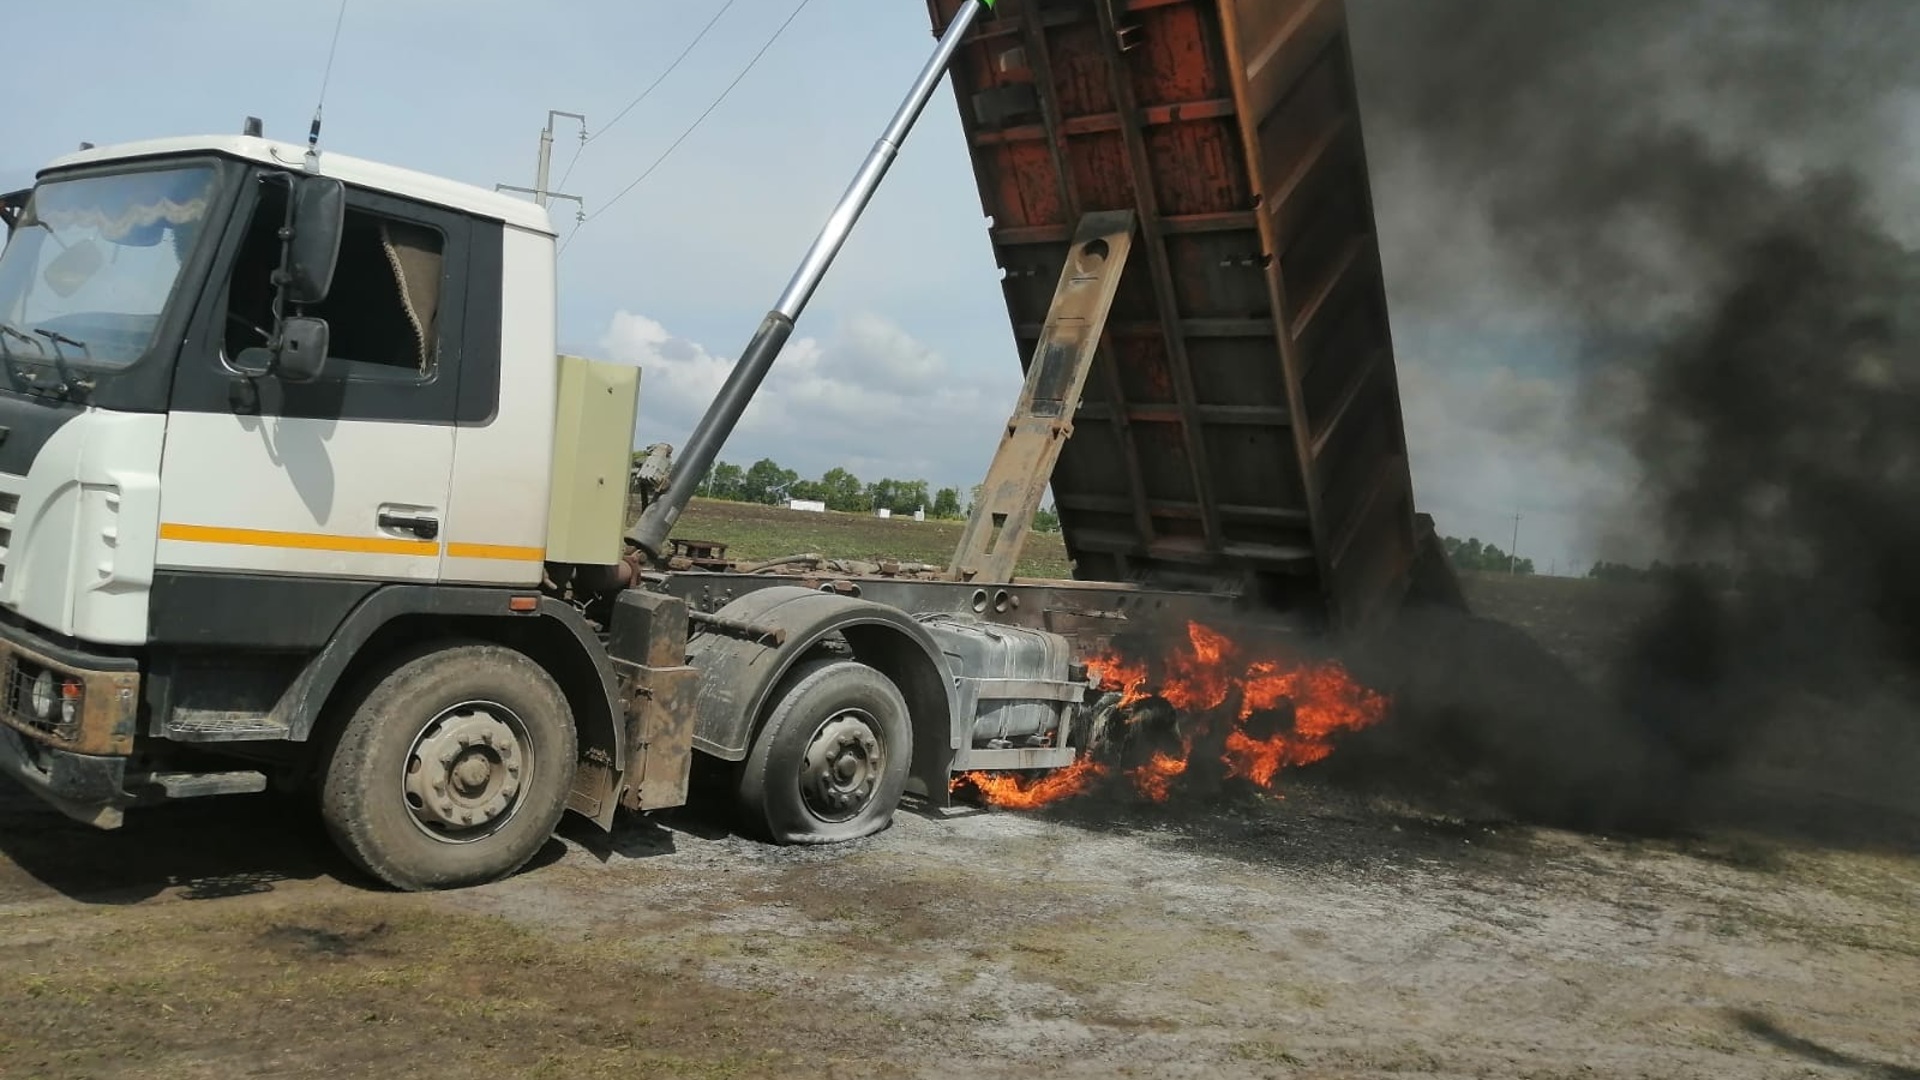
x,y
296,490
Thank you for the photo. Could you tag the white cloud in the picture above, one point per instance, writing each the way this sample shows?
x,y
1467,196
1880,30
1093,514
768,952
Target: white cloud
x,y
870,397
1488,441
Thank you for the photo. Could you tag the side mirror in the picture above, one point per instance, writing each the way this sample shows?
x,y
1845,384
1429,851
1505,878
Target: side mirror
x,y
299,355
319,213
12,205
303,348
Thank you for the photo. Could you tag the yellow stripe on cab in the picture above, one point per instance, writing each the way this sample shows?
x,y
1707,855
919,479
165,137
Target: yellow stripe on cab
x,y
359,545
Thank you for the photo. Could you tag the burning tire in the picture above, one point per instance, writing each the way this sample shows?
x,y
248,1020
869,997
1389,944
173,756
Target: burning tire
x,y
452,769
831,761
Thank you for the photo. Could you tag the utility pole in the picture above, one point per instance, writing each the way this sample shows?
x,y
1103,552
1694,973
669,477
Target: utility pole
x,y
1513,553
539,189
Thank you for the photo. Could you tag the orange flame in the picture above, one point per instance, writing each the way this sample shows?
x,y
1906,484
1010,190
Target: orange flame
x,y
1155,779
1008,790
1112,673
1197,680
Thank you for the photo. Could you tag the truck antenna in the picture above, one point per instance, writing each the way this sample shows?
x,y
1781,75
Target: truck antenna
x,y
649,530
326,76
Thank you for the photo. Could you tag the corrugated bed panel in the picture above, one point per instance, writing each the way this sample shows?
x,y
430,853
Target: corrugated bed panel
x,y
1242,423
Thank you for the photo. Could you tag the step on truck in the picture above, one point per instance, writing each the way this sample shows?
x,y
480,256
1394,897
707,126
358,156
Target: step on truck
x,y
295,490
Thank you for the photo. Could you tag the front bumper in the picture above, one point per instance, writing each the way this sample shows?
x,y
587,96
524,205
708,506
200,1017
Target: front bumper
x,y
73,755
86,788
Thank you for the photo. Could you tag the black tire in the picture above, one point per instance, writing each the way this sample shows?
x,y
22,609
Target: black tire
x,y
384,814
857,724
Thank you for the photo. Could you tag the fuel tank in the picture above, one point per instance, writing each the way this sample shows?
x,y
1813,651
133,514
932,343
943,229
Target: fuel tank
x,y
1019,686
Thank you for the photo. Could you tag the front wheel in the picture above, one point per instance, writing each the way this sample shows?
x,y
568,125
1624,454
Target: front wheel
x,y
831,761
452,770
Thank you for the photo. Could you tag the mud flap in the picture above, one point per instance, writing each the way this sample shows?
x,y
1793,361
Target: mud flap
x,y
658,690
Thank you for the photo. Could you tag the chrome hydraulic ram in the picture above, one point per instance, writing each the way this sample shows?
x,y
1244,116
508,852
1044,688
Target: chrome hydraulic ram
x,y
649,530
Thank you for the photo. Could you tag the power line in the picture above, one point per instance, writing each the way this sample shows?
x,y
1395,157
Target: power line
x,y
585,139
691,128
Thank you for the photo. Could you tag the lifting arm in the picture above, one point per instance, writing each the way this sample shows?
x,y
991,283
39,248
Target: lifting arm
x,y
649,530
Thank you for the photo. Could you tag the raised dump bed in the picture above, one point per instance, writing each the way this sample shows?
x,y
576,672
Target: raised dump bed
x,y
1241,425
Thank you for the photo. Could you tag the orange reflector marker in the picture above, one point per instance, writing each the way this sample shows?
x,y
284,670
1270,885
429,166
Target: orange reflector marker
x,y
523,603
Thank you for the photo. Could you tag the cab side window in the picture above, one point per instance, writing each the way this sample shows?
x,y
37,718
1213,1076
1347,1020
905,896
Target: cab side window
x,y
384,308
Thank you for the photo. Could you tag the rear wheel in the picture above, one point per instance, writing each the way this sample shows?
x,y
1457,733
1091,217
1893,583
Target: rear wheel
x,y
831,761
452,769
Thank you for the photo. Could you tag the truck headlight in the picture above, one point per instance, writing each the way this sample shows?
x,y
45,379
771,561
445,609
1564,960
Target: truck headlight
x,y
40,697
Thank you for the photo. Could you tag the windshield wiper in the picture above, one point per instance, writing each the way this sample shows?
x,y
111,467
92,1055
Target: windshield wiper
x,y
8,330
60,362
61,388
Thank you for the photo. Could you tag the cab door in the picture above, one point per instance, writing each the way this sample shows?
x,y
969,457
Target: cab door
x,y
346,476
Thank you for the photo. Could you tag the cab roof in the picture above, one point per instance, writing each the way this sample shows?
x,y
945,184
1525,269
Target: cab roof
x,y
358,172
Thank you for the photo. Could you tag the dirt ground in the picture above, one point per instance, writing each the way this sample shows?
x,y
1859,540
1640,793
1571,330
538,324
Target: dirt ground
x,y
1327,934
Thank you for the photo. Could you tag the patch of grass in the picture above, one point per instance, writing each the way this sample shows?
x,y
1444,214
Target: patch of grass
x,y
384,987
1093,955
752,531
1265,1050
1740,852
1834,930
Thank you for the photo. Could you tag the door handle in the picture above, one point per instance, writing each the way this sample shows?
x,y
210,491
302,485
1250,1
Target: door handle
x,y
425,528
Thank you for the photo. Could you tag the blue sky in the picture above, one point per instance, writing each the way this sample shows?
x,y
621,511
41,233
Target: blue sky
x,y
903,366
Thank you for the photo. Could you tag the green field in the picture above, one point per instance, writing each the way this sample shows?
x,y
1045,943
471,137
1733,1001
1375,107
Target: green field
x,y
753,531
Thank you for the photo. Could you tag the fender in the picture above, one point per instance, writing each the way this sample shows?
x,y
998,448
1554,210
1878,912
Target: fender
x,y
739,674
562,640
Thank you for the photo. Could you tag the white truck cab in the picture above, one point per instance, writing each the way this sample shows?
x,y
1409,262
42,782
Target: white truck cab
x,y
147,453
248,391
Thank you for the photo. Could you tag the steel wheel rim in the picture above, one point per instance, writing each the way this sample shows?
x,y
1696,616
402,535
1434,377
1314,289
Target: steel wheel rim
x,y
464,775
841,768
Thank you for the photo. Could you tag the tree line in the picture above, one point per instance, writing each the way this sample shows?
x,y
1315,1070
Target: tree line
x,y
768,483
1471,554
1712,574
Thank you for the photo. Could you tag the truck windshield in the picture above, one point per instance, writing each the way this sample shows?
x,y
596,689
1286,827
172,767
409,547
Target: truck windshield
x,y
92,262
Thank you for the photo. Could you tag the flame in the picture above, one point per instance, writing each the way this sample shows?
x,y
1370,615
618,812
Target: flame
x,y
1155,779
1218,692
1110,672
1010,791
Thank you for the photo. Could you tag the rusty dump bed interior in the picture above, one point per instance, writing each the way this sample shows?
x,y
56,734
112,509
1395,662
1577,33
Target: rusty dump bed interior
x,y
1241,424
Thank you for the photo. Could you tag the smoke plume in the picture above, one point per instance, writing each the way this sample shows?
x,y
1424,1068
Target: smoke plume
x,y
1708,195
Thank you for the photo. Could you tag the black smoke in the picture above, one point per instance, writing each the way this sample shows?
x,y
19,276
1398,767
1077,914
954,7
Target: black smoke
x,y
1711,196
